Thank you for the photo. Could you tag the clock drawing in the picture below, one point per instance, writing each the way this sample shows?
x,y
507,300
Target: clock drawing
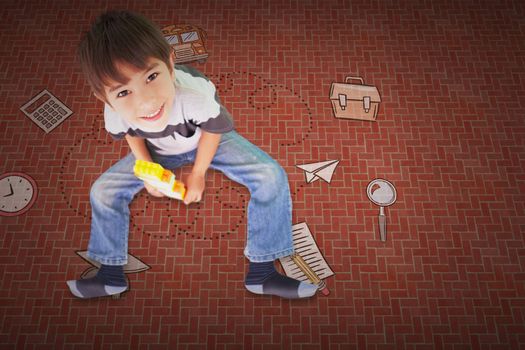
x,y
18,193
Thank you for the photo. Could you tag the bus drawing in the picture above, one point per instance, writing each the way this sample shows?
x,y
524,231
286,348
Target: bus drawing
x,y
187,42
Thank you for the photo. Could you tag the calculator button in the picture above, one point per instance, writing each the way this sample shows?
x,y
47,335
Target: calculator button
x,y
41,110
61,111
54,113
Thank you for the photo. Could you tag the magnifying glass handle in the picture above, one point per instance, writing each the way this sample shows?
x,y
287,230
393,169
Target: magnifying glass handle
x,y
382,227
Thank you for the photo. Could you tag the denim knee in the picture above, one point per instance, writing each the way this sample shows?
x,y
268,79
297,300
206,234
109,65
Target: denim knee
x,y
100,194
273,180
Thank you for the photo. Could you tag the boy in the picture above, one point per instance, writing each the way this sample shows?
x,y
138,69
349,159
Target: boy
x,y
172,115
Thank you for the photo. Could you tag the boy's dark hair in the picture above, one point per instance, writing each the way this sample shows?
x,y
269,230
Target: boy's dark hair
x,y
119,37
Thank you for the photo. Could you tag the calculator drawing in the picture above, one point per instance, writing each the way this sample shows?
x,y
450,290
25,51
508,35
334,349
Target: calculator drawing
x,y
46,111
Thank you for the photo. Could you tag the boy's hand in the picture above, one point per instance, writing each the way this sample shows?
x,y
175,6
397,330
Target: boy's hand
x,y
153,191
194,188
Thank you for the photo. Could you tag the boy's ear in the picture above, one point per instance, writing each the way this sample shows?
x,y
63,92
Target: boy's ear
x,y
172,63
172,57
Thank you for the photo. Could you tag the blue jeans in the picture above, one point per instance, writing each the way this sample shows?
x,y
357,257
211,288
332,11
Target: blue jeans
x,y
269,209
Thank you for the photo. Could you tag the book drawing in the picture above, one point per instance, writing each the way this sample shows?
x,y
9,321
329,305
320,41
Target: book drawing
x,y
306,247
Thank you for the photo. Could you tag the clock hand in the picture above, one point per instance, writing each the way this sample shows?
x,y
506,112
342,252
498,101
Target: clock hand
x,y
10,194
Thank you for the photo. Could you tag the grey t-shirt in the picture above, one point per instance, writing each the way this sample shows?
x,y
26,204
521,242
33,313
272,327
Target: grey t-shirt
x,y
196,105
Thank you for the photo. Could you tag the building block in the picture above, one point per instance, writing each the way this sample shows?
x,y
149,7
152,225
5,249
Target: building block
x,y
163,180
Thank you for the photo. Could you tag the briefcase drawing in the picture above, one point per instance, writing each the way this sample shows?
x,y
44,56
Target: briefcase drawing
x,y
355,101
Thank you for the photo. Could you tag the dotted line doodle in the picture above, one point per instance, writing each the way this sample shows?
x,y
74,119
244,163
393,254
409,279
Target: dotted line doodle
x,y
224,83
294,193
63,168
227,80
186,228
179,229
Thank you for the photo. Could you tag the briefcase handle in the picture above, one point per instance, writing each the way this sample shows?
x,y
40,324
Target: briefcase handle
x,y
354,78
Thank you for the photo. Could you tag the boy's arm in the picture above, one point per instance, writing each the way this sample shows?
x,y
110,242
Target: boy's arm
x,y
140,151
208,144
138,147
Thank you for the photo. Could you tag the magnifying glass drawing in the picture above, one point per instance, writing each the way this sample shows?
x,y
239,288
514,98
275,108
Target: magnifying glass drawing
x,y
382,193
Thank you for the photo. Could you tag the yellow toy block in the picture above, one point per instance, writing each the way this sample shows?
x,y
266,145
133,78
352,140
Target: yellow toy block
x,y
163,180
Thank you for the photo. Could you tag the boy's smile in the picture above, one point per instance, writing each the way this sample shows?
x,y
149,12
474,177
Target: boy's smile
x,y
154,116
146,98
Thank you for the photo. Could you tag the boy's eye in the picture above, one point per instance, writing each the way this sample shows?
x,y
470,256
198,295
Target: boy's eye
x,y
123,93
152,77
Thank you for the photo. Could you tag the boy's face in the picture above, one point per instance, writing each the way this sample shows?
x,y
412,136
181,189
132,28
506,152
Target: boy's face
x,y
146,99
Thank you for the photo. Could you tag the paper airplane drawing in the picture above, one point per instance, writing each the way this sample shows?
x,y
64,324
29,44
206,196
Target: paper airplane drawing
x,y
134,264
321,170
